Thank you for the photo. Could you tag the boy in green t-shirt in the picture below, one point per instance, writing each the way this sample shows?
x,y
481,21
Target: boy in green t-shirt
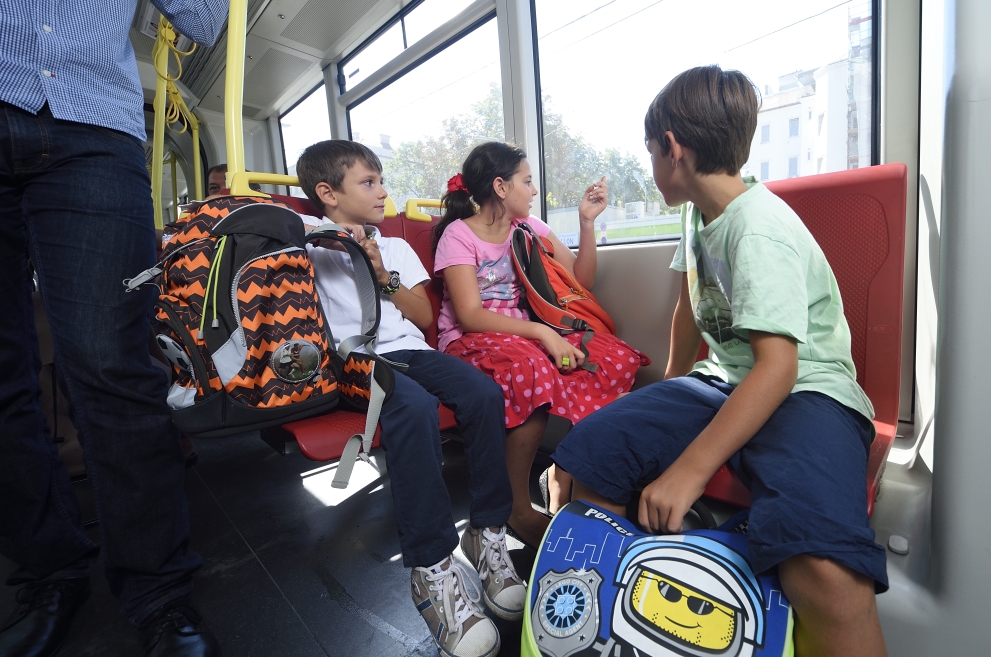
x,y
777,398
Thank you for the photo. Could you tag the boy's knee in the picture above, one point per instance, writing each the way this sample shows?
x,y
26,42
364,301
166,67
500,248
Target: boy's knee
x,y
825,588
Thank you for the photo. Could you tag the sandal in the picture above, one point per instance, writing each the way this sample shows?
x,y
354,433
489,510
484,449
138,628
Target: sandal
x,y
544,493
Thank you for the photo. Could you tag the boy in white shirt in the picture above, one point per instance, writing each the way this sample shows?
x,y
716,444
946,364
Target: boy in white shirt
x,y
344,179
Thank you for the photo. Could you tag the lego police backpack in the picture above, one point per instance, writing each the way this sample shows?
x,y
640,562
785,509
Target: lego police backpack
x,y
240,320
602,588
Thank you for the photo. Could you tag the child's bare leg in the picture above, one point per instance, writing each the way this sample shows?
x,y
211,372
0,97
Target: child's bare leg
x,y
521,446
558,489
580,491
835,609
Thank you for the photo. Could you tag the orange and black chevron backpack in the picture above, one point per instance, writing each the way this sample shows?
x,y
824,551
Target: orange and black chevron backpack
x,y
240,320
552,294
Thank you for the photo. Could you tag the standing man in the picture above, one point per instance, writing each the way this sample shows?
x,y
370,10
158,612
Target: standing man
x,y
75,203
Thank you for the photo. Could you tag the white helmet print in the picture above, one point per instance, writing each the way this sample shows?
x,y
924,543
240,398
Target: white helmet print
x,y
687,595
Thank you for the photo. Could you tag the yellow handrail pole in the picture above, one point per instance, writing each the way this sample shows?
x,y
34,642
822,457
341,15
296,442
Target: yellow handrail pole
x,y
197,167
175,189
237,24
158,141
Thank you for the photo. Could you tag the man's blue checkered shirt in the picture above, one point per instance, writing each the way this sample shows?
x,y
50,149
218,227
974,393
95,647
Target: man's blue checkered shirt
x,y
76,56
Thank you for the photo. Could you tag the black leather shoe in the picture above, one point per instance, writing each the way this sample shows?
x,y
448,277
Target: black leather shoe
x,y
40,623
176,630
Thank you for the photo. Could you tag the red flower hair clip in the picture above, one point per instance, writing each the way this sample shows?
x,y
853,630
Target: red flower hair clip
x,y
456,184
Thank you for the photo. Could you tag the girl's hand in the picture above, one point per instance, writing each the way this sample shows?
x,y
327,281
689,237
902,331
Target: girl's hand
x,y
594,201
558,348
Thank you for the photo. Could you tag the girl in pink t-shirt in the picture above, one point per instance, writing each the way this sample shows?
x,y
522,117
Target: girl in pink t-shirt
x,y
484,321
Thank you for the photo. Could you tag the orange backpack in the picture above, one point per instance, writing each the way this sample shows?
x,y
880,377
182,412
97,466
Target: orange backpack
x,y
553,296
239,318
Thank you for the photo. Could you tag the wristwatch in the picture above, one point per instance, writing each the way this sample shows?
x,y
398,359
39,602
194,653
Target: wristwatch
x,y
393,285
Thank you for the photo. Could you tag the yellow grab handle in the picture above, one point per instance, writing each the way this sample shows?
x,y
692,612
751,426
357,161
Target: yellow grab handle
x,y
413,208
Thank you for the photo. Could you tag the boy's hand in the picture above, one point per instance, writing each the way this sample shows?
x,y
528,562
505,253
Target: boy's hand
x,y
594,201
357,231
372,249
666,500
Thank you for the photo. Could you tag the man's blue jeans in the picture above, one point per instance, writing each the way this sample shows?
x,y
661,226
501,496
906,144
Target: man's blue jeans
x,y
75,199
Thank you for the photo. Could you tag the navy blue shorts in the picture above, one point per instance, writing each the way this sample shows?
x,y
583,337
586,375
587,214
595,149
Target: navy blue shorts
x,y
806,468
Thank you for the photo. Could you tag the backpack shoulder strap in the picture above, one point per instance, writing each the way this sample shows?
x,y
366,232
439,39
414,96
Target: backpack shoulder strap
x,y
364,277
382,378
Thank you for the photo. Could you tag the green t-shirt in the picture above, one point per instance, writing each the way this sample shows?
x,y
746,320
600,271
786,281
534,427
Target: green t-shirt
x,y
756,267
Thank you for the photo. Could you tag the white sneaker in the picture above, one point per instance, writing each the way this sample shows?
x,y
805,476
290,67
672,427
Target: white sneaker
x,y
458,626
504,591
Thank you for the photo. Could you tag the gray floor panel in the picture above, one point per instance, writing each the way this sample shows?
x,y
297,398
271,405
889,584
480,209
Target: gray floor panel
x,y
289,570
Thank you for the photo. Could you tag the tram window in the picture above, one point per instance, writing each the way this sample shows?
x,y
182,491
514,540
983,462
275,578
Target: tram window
x,y
408,27
305,124
428,15
600,65
423,125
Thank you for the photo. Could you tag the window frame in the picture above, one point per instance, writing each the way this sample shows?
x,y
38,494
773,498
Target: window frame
x,y
382,29
445,35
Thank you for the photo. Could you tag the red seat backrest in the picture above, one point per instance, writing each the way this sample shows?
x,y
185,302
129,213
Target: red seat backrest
x,y
299,204
420,235
858,219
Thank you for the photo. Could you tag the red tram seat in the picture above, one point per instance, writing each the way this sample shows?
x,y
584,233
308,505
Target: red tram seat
x,y
323,438
858,219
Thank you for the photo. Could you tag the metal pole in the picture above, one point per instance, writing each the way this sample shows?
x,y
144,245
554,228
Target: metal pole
x,y
197,166
234,88
175,188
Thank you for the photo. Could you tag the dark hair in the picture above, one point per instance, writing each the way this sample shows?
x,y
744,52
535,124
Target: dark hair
x,y
328,161
711,111
485,163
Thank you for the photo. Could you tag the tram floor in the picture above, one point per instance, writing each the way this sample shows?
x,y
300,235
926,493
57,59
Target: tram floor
x,y
292,569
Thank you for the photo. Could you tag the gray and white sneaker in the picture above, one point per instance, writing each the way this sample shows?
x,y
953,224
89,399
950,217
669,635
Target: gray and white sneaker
x,y
458,626
504,591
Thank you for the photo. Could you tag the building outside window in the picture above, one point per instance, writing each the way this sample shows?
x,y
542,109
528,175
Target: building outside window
x,y
765,171
793,127
792,167
779,44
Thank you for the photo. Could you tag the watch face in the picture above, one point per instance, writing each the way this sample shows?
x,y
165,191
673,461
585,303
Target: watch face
x,y
393,279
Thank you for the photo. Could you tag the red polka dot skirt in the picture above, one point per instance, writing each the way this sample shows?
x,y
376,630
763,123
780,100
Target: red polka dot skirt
x,y
529,379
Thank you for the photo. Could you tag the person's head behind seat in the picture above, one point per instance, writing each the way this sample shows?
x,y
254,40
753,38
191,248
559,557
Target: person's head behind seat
x,y
711,111
328,162
216,180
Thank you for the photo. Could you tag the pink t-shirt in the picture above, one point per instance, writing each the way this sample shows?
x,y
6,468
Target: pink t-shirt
x,y
493,265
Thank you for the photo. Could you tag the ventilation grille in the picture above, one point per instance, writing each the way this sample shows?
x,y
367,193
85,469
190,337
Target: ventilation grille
x,y
202,67
273,73
319,24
